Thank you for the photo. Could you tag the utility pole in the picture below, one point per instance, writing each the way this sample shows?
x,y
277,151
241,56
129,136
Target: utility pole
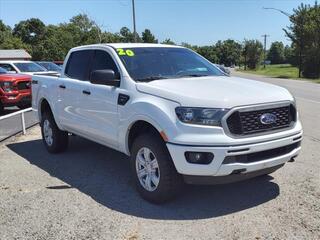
x,y
265,49
134,22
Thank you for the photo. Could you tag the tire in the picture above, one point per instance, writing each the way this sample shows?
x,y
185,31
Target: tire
x,y
169,181
54,139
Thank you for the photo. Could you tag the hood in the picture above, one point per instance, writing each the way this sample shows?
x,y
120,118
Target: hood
x,y
215,91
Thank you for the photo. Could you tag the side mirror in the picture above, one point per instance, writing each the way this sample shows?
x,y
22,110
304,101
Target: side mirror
x,y
104,77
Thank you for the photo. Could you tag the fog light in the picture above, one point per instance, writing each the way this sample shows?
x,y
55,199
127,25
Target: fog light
x,y
199,157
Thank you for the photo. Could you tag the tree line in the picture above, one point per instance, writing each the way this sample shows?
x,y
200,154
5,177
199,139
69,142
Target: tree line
x,y
52,42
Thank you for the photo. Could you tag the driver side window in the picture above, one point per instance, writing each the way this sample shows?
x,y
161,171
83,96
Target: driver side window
x,y
102,60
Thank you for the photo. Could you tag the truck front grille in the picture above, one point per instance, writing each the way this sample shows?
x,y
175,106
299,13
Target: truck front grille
x,y
24,85
244,122
263,155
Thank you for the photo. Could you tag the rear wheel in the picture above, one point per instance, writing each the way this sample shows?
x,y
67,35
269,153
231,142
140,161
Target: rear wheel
x,y
155,176
53,138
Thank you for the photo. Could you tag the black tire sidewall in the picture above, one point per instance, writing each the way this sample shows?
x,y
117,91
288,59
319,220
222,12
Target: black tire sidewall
x,y
60,138
170,180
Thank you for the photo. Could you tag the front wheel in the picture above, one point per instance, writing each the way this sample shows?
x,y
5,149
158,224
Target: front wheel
x,y
53,138
155,176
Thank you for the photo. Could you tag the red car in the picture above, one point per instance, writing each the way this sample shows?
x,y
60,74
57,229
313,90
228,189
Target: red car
x,y
15,90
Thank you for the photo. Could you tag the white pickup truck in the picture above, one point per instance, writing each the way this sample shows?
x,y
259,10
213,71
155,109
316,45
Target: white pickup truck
x,y
177,116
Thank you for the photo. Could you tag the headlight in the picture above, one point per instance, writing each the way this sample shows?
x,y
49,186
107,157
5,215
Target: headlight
x,y
202,116
7,86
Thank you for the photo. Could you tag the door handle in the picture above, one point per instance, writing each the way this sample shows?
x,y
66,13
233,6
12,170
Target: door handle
x,y
86,92
62,86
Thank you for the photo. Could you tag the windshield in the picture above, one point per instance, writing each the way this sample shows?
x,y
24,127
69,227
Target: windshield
x,y
50,66
153,63
29,67
2,71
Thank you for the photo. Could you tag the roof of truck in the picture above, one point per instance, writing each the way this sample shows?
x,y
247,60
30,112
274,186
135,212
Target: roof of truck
x,y
136,45
129,45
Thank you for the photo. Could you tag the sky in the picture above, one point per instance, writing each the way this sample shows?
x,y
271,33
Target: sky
x,y
201,22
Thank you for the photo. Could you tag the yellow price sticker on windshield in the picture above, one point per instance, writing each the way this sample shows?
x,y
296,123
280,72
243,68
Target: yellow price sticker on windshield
x,y
123,52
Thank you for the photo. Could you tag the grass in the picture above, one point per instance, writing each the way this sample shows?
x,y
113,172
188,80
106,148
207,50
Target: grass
x,y
278,71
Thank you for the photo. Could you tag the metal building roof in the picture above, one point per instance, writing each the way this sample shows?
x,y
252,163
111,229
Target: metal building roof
x,y
14,54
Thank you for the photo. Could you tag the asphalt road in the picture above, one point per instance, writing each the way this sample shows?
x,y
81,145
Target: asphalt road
x,y
87,193
302,90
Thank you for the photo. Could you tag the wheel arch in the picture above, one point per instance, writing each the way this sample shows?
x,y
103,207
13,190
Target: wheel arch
x,y
139,127
44,106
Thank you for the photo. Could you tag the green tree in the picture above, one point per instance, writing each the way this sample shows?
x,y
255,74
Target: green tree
x,y
108,37
8,41
11,42
57,43
148,37
209,52
228,52
128,36
304,33
276,53
187,45
5,32
252,53
86,29
289,57
31,31
168,41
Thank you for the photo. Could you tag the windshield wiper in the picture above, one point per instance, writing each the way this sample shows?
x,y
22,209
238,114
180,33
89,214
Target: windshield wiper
x,y
151,78
193,75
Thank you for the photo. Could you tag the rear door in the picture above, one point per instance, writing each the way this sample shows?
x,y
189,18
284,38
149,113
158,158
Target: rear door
x,y
70,92
99,103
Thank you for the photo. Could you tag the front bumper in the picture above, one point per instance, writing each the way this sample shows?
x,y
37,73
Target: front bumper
x,y
236,177
16,98
218,168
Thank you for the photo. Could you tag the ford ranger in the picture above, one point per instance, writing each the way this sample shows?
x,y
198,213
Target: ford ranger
x,y
178,117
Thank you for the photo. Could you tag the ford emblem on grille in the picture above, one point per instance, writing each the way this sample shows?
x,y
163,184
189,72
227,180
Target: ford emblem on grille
x,y
268,118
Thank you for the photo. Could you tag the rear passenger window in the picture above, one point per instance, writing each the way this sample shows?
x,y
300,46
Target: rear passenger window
x,y
102,60
78,64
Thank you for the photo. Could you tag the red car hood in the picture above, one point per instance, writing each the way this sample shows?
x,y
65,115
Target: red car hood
x,y
14,77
